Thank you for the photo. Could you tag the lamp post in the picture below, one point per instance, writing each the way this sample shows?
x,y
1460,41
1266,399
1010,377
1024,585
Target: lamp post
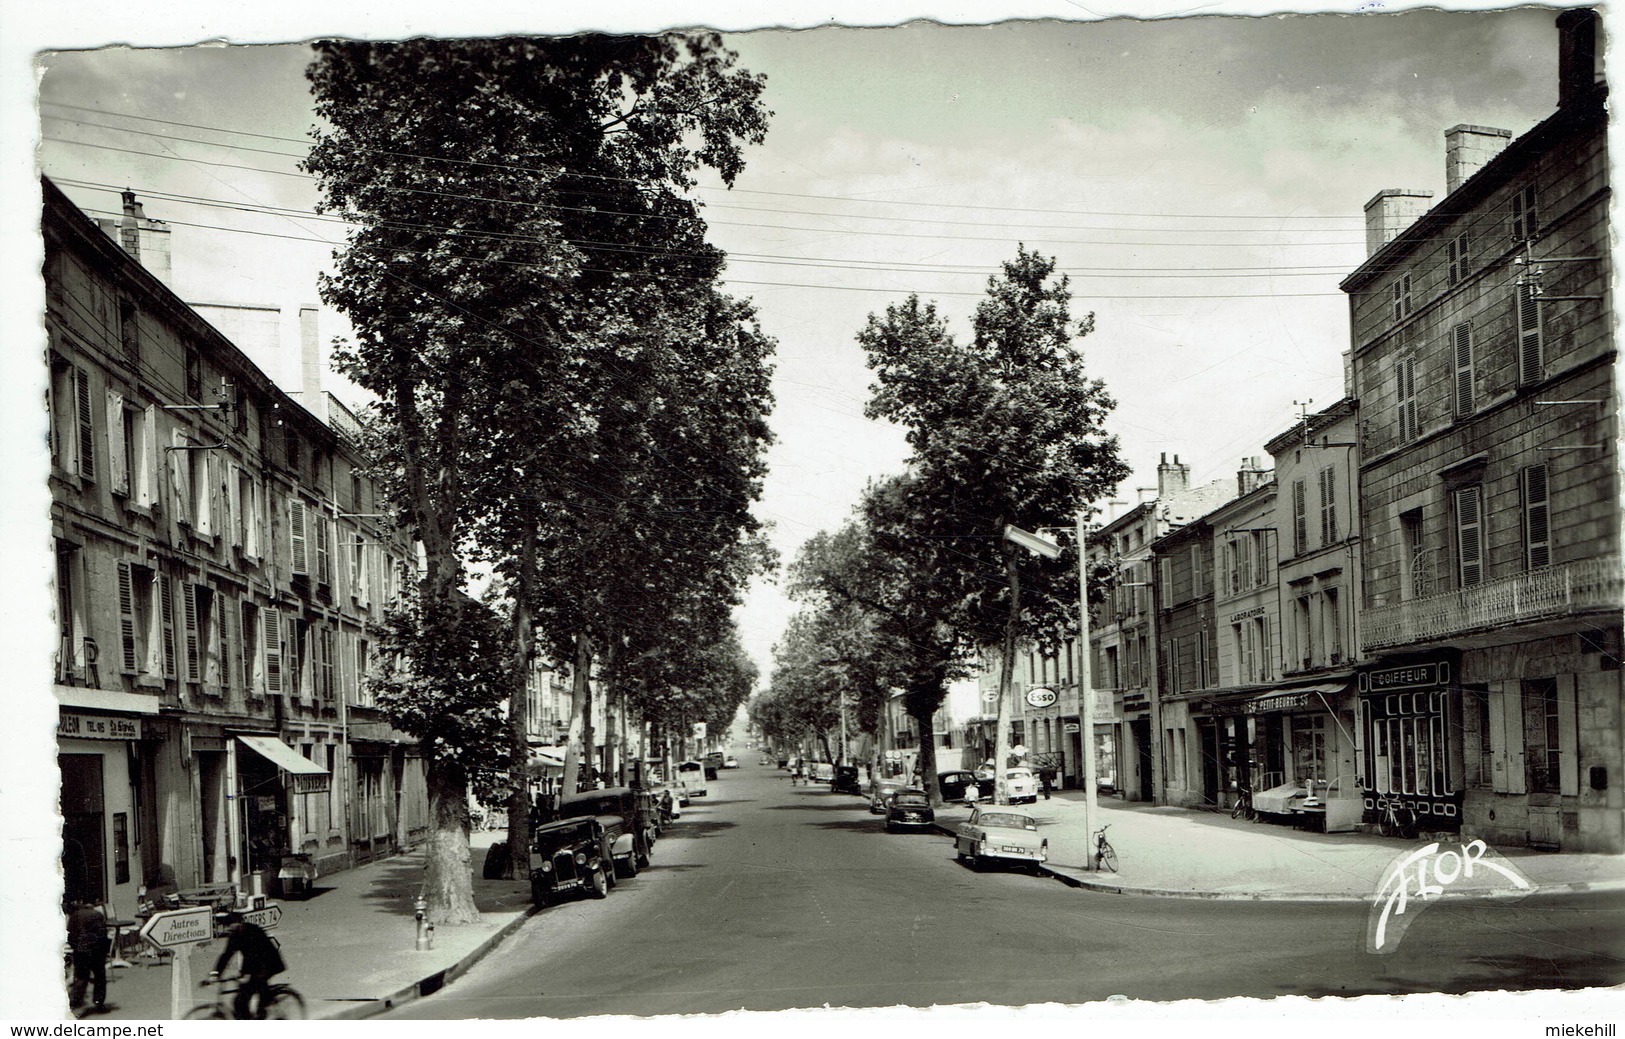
x,y
1086,694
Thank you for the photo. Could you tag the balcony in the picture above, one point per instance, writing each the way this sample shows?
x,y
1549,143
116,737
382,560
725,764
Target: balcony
x,y
1550,593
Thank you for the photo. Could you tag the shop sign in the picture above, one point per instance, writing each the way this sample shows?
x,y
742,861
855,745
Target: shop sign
x,y
1041,697
1415,676
310,784
97,727
1281,702
1256,611
1071,727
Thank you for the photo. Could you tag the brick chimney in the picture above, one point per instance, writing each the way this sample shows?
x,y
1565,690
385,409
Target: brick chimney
x,y
310,365
1389,212
1468,149
1251,476
1172,478
1577,67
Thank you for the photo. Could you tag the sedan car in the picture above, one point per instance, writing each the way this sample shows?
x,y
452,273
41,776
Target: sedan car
x,y
997,834
1022,785
730,762
953,783
879,791
909,809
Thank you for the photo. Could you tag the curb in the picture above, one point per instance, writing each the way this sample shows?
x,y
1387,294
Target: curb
x,y
431,983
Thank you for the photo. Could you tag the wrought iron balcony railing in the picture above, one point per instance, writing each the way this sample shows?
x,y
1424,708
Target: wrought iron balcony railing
x,y
1534,595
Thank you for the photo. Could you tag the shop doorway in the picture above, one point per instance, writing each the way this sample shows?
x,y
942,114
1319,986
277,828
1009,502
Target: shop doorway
x,y
264,802
1207,735
1274,751
84,828
1141,729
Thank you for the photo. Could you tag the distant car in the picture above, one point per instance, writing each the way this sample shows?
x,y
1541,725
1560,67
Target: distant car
x,y
998,834
692,775
846,781
569,855
953,783
1022,785
909,809
628,818
822,772
879,791
730,762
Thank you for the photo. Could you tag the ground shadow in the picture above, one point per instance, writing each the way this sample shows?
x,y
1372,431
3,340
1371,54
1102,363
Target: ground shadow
x,y
697,828
854,825
818,806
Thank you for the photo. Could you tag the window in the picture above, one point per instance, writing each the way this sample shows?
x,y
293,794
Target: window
x,y
1328,505
298,539
129,331
1531,366
1165,574
1479,756
72,662
1469,536
1239,654
1537,547
1202,677
72,427
1457,250
1461,341
1261,633
1542,735
324,562
194,374
1402,297
247,513
1417,562
1405,399
253,658
1260,547
1300,518
1525,214
119,461
141,441
326,660
1332,625
1306,649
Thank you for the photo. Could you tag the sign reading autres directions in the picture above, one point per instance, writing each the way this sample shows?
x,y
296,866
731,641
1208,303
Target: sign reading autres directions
x,y
177,927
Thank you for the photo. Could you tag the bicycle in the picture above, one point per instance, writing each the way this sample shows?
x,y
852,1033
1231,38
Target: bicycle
x,y
280,1003
1396,820
1244,805
1105,854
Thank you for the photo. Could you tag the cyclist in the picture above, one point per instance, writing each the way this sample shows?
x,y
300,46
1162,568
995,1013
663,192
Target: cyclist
x,y
261,961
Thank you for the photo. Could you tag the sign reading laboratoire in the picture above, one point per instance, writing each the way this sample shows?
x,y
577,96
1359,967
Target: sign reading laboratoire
x,y
266,918
176,927
1038,696
97,727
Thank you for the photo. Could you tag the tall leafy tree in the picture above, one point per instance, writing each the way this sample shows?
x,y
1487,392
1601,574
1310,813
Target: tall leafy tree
x,y
1004,429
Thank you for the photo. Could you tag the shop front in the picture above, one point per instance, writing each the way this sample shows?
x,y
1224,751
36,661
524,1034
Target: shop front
x,y
106,793
1294,749
271,778
1410,726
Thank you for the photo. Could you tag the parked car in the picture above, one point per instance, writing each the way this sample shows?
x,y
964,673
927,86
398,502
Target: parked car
x,y
909,809
692,775
953,782
879,791
1022,785
730,762
566,856
999,834
627,817
822,772
845,781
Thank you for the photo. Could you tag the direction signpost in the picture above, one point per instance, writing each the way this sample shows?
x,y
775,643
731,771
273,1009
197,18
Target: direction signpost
x,y
178,930
266,918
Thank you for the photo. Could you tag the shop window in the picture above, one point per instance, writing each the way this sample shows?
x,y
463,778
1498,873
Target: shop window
x,y
1309,760
1543,742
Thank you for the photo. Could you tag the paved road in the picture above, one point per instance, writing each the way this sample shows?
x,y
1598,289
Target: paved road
x,y
767,898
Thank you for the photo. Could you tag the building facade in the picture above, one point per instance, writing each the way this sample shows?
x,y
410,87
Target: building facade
x,y
220,569
1483,358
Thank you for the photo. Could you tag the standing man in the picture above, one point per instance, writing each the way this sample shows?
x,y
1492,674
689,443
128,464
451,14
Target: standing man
x,y
87,940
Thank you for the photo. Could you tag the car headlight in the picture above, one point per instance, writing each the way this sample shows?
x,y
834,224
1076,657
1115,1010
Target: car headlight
x,y
581,858
547,867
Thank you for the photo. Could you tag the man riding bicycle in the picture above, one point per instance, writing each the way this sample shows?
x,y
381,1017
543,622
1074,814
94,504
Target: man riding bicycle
x,y
261,960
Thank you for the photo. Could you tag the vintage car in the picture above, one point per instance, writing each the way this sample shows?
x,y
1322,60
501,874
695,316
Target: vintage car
x,y
628,818
820,772
879,791
730,762
692,775
713,761
845,781
909,809
999,834
1022,785
566,856
955,781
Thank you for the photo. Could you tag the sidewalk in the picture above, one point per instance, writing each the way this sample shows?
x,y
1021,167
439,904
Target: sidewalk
x,y
350,947
1188,853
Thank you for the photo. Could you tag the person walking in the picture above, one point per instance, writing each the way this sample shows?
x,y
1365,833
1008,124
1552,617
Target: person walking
x,y
88,944
1043,781
973,793
261,961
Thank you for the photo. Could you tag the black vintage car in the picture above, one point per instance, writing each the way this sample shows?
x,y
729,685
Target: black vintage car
x,y
568,856
954,782
845,781
629,819
909,809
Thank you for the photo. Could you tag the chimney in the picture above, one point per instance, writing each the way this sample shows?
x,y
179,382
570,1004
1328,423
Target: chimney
x,y
310,365
1577,68
1468,149
144,239
1251,476
1389,212
1172,479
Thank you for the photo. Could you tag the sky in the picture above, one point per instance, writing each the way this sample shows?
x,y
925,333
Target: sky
x,y
1200,179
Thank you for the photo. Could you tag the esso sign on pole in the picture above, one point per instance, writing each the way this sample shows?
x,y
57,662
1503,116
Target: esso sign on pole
x,y
1041,697
699,730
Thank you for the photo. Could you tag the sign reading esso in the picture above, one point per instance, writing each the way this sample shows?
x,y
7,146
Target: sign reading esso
x,y
699,730
1041,697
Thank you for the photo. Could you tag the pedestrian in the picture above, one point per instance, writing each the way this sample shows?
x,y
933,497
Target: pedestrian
x,y
89,945
973,793
261,961
1043,781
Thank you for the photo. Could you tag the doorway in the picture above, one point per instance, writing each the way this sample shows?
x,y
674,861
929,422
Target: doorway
x,y
1141,728
84,827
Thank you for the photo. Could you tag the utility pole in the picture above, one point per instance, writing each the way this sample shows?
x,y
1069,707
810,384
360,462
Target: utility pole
x,y
1086,695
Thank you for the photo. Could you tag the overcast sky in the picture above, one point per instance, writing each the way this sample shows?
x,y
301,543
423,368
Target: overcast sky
x,y
1153,159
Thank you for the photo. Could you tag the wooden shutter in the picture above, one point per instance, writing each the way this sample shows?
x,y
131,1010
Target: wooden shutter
x,y
324,561
327,663
179,478
189,615
1536,518
166,611
271,640
128,661
298,542
86,439
1469,537
235,519
247,641
146,491
205,493
118,472
1300,517
1461,339
1530,364
1328,505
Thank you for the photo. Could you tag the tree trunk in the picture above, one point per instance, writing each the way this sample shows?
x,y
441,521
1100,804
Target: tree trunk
x,y
524,646
928,750
1007,667
582,690
448,877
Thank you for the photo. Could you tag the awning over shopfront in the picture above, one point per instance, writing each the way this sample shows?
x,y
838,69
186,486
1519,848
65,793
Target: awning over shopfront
x,y
547,760
1299,698
304,771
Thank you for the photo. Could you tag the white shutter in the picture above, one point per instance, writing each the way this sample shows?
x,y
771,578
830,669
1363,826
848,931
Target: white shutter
x,y
324,556
1568,757
271,639
1462,343
205,494
118,473
86,440
179,478
1469,537
146,491
1530,363
189,615
251,519
234,519
128,661
1536,518
298,543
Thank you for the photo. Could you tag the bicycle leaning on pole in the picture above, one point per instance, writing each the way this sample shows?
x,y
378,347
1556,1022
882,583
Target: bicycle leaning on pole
x,y
1105,854
280,1003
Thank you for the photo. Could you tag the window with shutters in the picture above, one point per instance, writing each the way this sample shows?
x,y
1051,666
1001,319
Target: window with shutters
x,y
1537,545
134,616
1469,536
199,477
1300,518
74,437
1328,506
1417,561
72,661
250,652
1402,297
301,662
298,539
1525,214
1305,631
1261,632
1405,399
193,606
180,472
166,620
248,509
142,441
1543,735
1531,364
363,691
271,651
118,449
324,555
1333,626
326,678
1461,345
1457,250
1261,556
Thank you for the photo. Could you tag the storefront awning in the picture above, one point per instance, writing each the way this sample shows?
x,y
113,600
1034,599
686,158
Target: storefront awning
x,y
281,755
1298,698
